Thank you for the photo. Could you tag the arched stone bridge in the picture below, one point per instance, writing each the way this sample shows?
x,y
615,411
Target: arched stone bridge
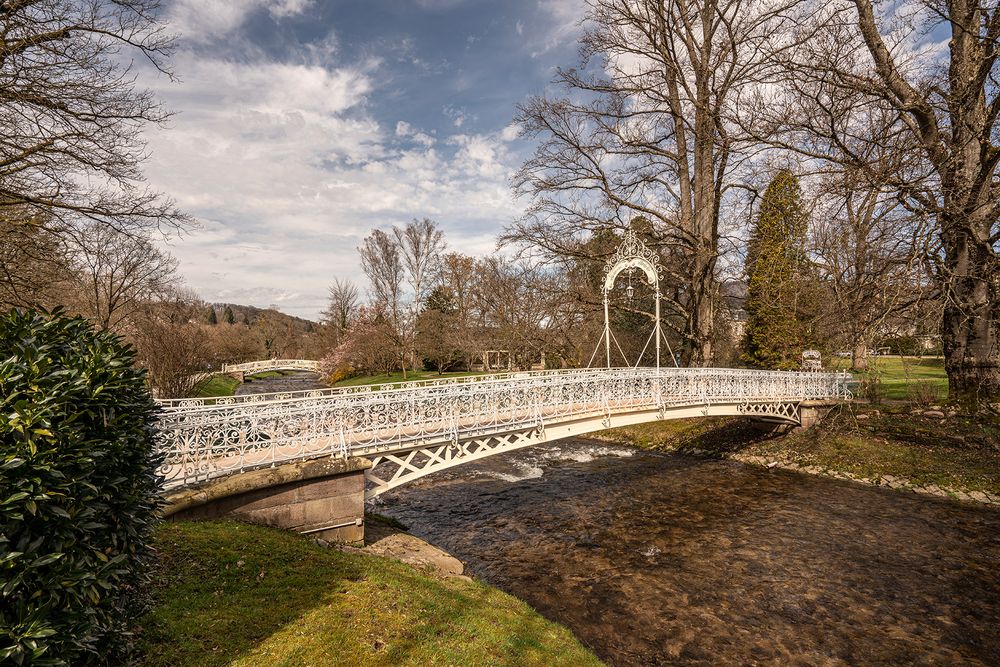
x,y
408,430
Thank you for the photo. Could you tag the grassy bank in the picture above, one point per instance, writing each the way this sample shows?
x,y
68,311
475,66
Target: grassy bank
x,y
952,453
234,594
905,378
217,385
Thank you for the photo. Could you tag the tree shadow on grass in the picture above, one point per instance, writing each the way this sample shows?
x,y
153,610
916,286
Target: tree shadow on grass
x,y
234,593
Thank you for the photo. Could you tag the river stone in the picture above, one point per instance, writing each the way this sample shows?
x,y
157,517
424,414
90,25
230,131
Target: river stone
x,y
979,496
386,541
937,414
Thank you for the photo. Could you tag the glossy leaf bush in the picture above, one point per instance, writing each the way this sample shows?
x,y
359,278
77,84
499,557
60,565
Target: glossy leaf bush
x,y
78,490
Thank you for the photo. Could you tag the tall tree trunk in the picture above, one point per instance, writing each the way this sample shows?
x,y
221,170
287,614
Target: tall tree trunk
x,y
859,355
971,326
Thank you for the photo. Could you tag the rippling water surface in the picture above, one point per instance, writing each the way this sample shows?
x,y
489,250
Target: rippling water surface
x,y
662,559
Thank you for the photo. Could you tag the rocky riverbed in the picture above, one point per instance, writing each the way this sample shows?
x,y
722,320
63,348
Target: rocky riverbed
x,y
654,558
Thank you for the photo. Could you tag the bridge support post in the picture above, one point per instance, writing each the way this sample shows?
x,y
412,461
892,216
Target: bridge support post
x,y
323,498
811,412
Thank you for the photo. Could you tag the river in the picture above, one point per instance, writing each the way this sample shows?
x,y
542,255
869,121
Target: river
x,y
656,559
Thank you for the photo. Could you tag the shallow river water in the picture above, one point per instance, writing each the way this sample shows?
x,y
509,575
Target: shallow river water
x,y
655,559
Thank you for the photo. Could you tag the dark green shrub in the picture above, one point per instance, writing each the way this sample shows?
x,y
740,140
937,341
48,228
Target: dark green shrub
x,y
78,490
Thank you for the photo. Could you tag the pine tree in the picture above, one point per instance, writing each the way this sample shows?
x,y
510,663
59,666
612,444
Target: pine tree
x,y
213,319
778,291
228,316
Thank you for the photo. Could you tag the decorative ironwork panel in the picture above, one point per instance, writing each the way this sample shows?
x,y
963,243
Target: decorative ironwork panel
x,y
201,440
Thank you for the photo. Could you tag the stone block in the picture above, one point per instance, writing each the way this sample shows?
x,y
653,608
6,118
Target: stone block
x,y
325,499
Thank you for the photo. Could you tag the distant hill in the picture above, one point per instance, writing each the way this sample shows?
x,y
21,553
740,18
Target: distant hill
x,y
251,314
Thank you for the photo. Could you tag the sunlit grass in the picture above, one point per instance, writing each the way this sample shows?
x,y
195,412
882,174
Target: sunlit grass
x,y
901,375
217,385
235,594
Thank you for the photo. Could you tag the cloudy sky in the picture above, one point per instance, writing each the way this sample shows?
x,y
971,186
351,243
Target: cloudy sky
x,y
302,124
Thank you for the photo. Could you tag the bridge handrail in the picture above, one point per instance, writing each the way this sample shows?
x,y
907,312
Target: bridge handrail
x,y
408,385
200,442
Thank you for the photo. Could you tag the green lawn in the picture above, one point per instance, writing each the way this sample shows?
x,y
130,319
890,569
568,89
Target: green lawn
x,y
229,593
905,377
217,385
411,376
263,375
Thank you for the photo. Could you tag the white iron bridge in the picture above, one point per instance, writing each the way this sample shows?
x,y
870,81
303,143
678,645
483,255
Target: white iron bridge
x,y
252,367
412,429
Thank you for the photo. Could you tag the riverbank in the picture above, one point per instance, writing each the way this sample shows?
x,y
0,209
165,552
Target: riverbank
x,y
229,593
927,451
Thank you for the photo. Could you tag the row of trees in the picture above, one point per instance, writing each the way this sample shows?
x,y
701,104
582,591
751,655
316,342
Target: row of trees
x,y
680,105
428,307
848,281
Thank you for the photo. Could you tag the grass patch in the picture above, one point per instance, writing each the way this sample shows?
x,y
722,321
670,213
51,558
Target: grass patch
x,y
411,376
901,376
263,375
235,594
217,385
958,452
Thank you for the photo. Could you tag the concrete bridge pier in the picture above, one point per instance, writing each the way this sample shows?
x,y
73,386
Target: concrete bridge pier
x,y
323,498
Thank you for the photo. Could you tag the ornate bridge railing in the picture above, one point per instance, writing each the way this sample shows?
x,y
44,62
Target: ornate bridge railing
x,y
419,427
272,365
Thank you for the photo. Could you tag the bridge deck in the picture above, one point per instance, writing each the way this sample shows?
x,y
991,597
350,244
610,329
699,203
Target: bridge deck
x,y
201,441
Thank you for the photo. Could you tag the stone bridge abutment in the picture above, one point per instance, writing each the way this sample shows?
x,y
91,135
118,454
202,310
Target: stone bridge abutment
x,y
322,498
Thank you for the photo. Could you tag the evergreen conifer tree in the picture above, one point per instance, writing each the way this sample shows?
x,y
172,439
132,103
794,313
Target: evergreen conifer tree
x,y
213,319
228,316
778,276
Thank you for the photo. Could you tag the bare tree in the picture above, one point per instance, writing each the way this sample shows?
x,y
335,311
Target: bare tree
x,y
381,260
867,251
382,263
342,309
421,244
169,343
71,113
515,305
116,273
34,269
651,136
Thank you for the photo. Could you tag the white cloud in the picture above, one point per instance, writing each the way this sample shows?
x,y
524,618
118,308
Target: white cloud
x,y
564,20
281,8
406,131
288,172
201,20
511,132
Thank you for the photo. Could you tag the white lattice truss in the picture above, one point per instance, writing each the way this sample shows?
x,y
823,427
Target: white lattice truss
x,y
251,367
412,429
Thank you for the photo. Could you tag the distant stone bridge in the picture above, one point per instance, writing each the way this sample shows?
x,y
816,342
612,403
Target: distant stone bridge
x,y
411,429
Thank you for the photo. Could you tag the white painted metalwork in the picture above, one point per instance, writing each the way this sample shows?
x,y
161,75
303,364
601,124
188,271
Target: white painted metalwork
x,y
632,254
251,367
412,429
